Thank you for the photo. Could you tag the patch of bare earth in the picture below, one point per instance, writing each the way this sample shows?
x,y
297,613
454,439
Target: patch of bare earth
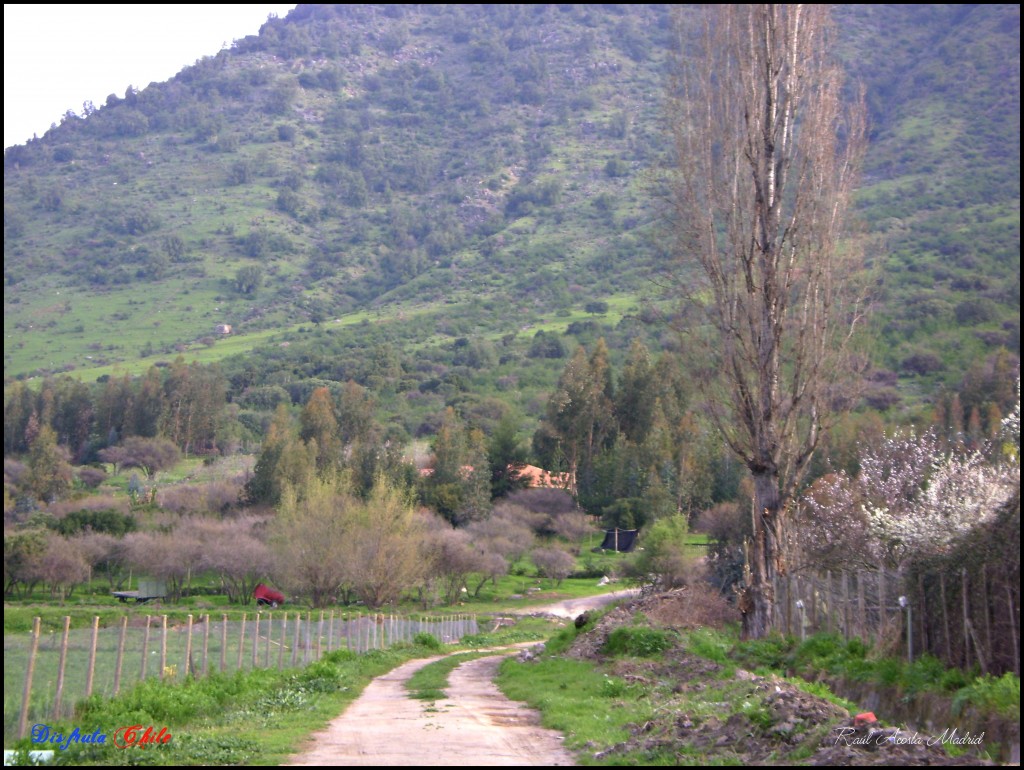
x,y
475,725
737,717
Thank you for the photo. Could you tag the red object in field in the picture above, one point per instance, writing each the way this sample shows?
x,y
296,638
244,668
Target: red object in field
x,y
867,718
267,596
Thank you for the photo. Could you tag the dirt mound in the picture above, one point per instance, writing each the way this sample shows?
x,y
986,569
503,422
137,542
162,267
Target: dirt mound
x,y
683,608
704,708
866,745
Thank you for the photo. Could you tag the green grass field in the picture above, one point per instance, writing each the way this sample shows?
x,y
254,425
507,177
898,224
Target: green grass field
x,y
274,640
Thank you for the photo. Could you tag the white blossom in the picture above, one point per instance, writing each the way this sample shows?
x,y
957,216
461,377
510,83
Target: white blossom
x,y
912,496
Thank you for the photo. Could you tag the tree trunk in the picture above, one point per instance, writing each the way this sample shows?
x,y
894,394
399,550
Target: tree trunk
x,y
759,595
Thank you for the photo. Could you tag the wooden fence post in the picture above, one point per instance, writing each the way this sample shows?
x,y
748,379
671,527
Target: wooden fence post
x,y
1013,629
966,619
256,641
145,648
223,642
60,667
270,634
163,647
882,619
190,670
846,604
985,609
308,640
90,673
241,645
862,617
829,606
120,654
320,636
945,620
815,592
206,646
295,643
924,639
284,642
26,692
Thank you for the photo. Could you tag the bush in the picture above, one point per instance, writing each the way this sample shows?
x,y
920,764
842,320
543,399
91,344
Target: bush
x,y
423,639
771,652
1001,695
553,563
91,477
108,521
637,642
665,555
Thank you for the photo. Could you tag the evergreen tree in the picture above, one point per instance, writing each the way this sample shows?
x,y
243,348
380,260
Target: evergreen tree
x,y
49,473
319,425
634,401
505,456
264,485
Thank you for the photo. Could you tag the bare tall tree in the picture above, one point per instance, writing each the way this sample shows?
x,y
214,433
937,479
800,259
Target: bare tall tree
x,y
766,152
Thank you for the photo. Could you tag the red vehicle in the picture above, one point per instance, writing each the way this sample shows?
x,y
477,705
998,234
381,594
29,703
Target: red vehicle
x,y
267,597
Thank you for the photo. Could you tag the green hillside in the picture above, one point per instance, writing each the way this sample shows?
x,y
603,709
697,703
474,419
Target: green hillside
x,y
446,173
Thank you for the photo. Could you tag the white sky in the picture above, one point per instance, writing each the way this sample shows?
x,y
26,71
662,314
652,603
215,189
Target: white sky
x,y
58,56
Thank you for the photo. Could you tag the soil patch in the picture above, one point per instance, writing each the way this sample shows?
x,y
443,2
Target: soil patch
x,y
475,725
733,715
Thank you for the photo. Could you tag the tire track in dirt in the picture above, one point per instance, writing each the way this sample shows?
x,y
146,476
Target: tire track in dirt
x,y
475,725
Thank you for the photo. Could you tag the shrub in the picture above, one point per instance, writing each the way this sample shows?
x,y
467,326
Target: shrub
x,y
91,477
1001,695
771,652
106,520
553,563
637,642
665,555
423,639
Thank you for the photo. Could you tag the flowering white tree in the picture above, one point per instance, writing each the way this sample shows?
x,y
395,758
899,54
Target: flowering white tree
x,y
1010,433
961,491
912,496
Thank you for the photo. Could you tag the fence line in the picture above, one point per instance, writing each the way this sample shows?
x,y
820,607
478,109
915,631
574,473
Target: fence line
x,y
969,619
95,660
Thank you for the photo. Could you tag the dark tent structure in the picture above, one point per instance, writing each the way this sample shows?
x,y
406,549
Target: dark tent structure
x,y
621,540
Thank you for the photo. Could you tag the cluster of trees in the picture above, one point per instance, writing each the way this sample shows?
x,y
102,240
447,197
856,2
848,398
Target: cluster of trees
x,y
232,549
181,402
143,423
330,436
343,436
914,495
325,542
633,449
335,545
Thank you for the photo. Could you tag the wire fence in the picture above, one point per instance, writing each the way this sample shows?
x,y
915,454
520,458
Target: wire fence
x,y
965,617
62,667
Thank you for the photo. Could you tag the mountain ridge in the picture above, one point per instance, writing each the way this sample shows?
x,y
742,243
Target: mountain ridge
x,y
489,163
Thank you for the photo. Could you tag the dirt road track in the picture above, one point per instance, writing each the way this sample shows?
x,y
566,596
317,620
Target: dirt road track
x,y
570,608
477,725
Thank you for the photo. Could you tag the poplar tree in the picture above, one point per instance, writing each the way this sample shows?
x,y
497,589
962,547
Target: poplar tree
x,y
766,149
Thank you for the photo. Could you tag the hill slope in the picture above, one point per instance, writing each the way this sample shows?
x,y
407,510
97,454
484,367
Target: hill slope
x,y
476,170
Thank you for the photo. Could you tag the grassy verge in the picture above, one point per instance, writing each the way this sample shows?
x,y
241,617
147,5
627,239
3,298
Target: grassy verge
x,y
254,718
257,717
593,709
431,681
853,660
657,696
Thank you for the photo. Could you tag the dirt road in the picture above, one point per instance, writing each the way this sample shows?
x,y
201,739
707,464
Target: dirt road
x,y
476,725
571,608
